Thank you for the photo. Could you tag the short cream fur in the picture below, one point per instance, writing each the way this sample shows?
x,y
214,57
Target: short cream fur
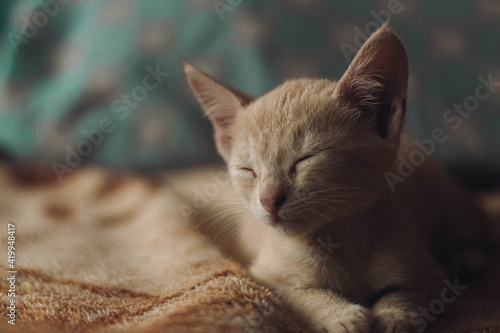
x,y
307,160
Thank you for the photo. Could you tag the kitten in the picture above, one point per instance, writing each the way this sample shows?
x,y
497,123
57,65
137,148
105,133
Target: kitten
x,y
308,160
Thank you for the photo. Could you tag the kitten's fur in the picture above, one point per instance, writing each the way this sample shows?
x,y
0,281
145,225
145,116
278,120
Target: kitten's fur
x,y
308,160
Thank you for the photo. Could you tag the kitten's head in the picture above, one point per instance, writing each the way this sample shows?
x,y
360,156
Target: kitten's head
x,y
312,151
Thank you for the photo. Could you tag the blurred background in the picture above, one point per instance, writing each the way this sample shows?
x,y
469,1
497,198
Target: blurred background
x,y
101,82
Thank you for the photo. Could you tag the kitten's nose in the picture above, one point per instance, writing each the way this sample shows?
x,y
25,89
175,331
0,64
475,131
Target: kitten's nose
x,y
272,200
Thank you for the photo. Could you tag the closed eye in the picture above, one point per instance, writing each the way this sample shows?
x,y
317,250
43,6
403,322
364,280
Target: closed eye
x,y
303,159
300,160
249,170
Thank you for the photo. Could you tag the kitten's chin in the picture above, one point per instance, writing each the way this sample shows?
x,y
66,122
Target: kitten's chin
x,y
289,227
277,223
297,229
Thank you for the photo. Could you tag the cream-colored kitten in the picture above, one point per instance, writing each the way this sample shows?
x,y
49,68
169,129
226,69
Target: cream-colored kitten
x,y
308,159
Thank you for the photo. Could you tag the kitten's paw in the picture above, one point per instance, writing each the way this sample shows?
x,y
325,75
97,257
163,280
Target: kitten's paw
x,y
350,319
393,321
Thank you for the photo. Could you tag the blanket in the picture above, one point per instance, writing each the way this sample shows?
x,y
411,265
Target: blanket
x,y
104,252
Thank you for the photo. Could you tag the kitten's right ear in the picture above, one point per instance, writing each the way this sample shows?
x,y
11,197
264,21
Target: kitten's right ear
x,y
219,102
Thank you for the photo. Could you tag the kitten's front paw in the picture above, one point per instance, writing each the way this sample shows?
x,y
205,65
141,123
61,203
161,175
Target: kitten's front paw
x,y
350,319
393,321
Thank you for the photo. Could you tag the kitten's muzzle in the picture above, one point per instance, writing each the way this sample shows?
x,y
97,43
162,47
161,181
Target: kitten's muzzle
x,y
272,201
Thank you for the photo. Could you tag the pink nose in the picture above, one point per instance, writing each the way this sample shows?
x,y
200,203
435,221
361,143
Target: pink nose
x,y
272,201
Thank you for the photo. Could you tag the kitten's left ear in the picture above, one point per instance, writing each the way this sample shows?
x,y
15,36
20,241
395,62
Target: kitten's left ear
x,y
376,82
219,102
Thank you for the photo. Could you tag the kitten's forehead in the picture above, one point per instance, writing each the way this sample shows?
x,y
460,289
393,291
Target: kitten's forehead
x,y
292,102
286,118
294,106
299,93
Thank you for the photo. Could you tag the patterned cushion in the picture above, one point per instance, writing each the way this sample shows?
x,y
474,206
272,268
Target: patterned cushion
x,y
101,81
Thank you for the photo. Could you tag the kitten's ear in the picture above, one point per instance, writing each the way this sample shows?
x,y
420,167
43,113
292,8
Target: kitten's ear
x,y
377,80
219,102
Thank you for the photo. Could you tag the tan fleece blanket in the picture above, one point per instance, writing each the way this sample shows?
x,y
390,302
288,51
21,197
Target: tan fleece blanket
x,y
97,252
